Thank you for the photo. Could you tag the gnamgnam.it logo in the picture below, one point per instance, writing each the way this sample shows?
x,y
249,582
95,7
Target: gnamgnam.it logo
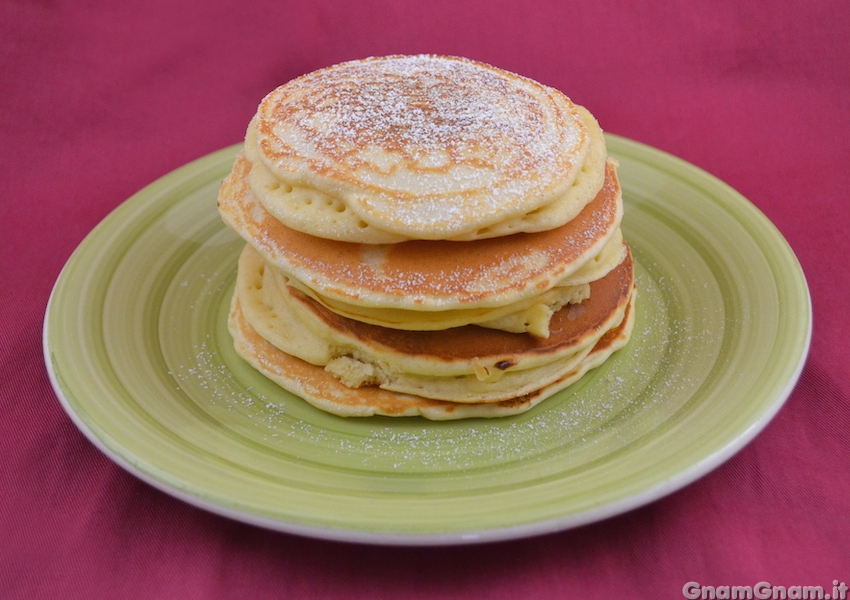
x,y
764,591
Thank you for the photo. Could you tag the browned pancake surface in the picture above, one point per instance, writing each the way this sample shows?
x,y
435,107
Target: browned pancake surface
x,y
570,327
324,391
425,274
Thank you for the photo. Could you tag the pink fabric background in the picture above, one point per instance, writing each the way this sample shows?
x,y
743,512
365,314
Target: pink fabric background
x,y
98,99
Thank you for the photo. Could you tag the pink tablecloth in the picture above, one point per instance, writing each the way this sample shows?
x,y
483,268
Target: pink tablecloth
x,y
97,99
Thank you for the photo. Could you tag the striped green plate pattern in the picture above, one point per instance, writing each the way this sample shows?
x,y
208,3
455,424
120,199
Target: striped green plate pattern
x,y
137,349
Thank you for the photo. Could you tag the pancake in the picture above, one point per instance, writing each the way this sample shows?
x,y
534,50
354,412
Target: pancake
x,y
530,315
428,236
422,147
324,391
463,364
426,275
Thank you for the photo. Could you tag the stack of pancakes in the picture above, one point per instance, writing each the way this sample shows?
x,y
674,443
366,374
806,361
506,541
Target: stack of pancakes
x,y
426,236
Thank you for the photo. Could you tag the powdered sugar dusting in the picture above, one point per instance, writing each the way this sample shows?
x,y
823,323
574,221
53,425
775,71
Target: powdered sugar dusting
x,y
410,141
636,391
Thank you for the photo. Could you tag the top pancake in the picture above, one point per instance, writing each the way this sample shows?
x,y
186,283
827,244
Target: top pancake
x,y
393,148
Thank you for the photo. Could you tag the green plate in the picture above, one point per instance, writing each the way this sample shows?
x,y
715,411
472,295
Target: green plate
x,y
138,352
